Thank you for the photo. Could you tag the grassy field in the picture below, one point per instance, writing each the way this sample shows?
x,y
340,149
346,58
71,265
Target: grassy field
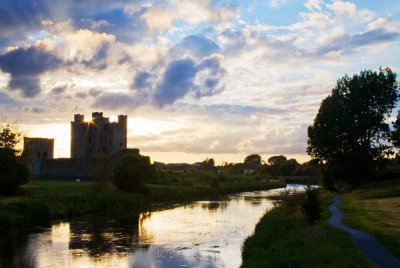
x,y
42,201
284,237
375,209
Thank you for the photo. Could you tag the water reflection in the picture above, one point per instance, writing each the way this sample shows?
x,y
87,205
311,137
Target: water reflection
x,y
200,234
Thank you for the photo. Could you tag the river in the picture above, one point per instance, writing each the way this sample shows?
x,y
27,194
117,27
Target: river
x,y
198,234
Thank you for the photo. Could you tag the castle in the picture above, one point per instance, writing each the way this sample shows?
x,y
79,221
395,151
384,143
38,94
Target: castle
x,y
89,140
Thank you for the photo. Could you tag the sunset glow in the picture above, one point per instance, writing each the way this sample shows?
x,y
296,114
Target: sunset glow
x,y
197,79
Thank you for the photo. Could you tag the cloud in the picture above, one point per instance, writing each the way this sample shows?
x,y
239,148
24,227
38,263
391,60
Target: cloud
x,y
346,43
183,76
115,101
177,81
277,3
18,17
59,90
141,80
204,11
199,45
25,66
347,10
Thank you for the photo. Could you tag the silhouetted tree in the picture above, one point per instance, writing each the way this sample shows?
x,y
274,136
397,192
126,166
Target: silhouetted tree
x,y
253,159
13,170
395,135
349,129
130,172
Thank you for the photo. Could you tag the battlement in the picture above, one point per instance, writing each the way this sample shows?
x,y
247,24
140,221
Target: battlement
x,y
79,118
97,115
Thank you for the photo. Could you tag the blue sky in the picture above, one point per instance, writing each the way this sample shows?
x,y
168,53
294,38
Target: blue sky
x,y
197,79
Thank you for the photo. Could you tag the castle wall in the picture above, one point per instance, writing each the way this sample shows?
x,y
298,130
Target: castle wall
x,y
38,149
66,169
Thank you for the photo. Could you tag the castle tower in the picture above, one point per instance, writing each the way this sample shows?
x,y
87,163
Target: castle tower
x,y
99,136
38,149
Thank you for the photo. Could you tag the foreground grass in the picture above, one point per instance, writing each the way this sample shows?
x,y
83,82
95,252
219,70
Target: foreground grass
x,y
375,209
43,201
283,237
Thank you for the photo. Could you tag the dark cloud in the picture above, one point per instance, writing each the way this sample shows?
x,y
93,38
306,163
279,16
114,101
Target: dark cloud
x,y
126,26
348,43
81,94
94,92
179,80
18,17
115,101
141,80
5,98
99,60
59,90
199,45
25,66
371,37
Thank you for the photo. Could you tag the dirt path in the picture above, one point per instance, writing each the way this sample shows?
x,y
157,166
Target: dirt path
x,y
368,244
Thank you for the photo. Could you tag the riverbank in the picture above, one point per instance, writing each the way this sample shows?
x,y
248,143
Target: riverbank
x,y
284,237
43,201
375,208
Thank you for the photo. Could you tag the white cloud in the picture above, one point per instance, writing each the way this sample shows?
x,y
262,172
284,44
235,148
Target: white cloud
x,y
277,3
314,4
347,10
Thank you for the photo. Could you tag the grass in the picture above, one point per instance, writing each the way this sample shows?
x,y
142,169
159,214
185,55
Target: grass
x,y
284,237
375,209
42,201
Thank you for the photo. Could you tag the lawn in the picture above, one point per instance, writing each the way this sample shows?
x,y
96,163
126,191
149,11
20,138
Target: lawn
x,y
375,209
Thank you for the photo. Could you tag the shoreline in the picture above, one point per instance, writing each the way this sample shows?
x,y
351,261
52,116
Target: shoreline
x,y
44,202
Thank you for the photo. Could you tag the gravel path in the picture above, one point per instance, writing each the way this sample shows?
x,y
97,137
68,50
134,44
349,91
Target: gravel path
x,y
368,244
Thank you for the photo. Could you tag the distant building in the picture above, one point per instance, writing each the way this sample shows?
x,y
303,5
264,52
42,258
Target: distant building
x,y
89,140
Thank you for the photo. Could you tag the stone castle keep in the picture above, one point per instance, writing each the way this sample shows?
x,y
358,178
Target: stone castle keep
x,y
89,140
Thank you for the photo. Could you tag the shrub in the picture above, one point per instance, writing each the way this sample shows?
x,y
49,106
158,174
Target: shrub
x,y
13,172
311,204
130,172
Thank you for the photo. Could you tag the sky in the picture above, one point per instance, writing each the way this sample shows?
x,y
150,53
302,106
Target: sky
x,y
197,79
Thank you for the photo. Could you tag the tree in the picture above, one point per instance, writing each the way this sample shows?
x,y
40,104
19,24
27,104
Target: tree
x,y
130,172
277,160
101,172
253,159
10,136
395,135
14,171
349,130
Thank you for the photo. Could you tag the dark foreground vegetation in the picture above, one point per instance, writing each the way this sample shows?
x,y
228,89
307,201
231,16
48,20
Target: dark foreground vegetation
x,y
286,236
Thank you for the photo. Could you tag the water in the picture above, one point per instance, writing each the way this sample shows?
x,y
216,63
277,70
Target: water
x,y
198,234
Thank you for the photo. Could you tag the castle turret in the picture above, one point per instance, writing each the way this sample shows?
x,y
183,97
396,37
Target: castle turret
x,y
79,118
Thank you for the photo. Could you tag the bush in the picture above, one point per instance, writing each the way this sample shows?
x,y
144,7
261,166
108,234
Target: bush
x,y
389,173
130,172
311,204
13,172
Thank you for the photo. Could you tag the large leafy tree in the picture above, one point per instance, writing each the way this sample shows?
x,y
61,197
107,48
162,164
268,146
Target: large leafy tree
x,y
253,159
14,171
350,129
